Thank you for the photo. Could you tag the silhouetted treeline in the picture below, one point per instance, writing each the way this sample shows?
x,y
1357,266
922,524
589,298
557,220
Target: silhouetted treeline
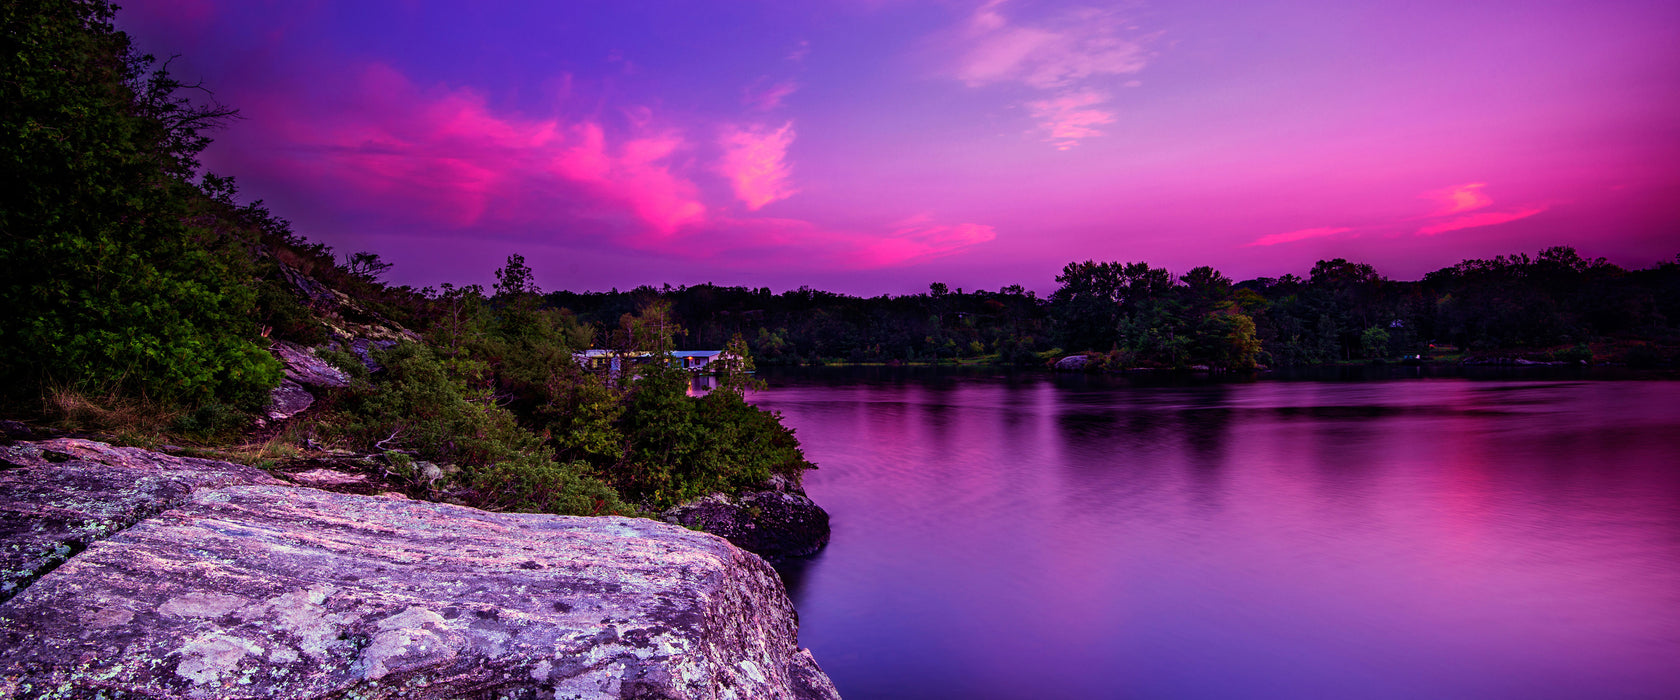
x,y
805,325
1135,315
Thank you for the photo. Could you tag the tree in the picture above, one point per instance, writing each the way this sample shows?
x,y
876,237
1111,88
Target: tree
x,y
1373,343
1086,307
654,330
124,276
516,279
366,266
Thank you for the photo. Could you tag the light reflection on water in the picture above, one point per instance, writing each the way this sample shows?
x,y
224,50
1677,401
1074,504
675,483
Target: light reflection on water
x,y
1029,538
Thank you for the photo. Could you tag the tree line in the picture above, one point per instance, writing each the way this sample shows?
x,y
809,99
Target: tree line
x,y
1555,304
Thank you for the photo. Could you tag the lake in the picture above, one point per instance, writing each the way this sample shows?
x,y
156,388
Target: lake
x,y
1036,536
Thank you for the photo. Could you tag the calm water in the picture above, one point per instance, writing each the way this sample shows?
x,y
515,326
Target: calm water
x,y
1039,537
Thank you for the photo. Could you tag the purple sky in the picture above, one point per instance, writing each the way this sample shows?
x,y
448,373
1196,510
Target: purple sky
x,y
874,146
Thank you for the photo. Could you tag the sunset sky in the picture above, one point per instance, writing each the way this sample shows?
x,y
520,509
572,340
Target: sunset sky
x,y
874,146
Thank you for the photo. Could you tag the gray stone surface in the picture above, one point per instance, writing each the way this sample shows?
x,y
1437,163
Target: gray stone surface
x,y
243,591
303,367
287,400
303,370
59,496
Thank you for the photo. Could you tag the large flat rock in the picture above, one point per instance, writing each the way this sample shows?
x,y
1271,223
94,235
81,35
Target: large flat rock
x,y
284,592
59,496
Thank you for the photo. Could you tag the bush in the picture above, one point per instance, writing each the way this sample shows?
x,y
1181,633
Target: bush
x,y
441,410
118,272
682,447
537,485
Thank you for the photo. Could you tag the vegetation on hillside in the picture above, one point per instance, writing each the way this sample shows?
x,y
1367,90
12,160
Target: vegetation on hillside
x,y
142,299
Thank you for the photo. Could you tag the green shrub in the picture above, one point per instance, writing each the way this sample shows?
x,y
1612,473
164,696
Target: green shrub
x,y
288,319
441,410
119,274
212,419
344,360
533,484
682,447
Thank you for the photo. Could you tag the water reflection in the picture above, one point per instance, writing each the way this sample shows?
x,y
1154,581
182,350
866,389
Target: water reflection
x,y
1023,536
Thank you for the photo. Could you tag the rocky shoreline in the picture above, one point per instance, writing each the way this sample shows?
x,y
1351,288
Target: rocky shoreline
x,y
131,573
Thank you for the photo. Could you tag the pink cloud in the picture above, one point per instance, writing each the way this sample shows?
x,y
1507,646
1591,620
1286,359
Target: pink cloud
x,y
1070,117
1056,53
1071,55
918,240
442,156
635,177
443,160
1458,198
755,161
1492,218
1300,235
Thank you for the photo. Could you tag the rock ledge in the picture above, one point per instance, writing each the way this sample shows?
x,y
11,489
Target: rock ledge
x,y
261,590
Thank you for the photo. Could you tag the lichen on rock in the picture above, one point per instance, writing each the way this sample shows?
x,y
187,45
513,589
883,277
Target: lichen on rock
x,y
59,496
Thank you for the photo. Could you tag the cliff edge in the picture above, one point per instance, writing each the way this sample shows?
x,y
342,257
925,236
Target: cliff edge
x,y
130,573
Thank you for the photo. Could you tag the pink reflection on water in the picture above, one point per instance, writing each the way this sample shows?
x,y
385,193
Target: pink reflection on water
x,y
1438,538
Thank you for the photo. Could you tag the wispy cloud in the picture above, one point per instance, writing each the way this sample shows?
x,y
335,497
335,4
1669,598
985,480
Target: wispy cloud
x,y
1449,215
767,97
1458,198
800,52
1071,55
1300,235
755,161
919,239
1056,53
1070,117
1490,218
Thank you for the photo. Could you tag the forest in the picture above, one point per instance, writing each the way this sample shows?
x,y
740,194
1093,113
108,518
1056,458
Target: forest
x,y
1553,306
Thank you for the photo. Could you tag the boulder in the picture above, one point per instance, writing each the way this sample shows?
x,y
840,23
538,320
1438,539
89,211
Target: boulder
x,y
776,523
287,400
262,590
303,367
1072,363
